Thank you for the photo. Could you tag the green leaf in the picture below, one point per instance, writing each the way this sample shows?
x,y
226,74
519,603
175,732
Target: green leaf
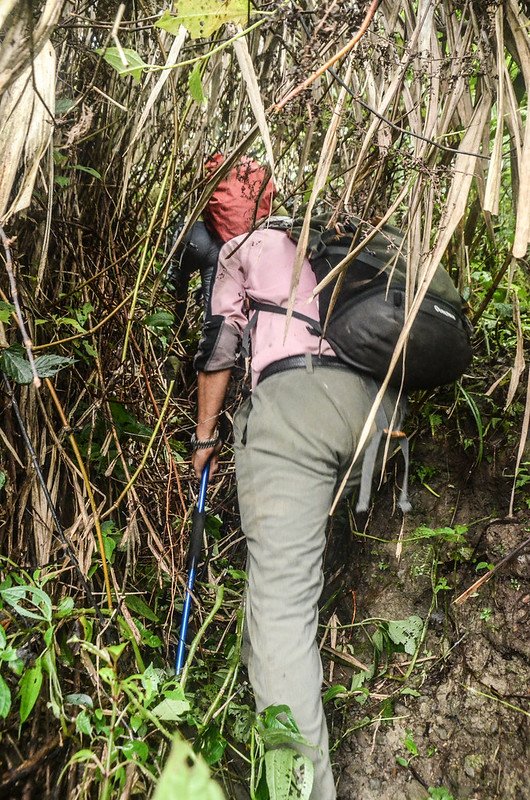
x,y
410,744
377,641
109,546
151,679
70,321
135,750
205,18
117,649
135,603
62,181
6,310
134,62
3,638
276,727
30,687
33,596
65,607
15,365
402,761
406,632
3,479
333,692
62,105
5,698
212,745
83,724
440,794
88,170
160,320
49,365
173,706
77,699
289,774
195,84
186,776
84,755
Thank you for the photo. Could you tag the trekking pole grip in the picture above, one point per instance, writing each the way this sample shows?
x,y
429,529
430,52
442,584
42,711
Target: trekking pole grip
x,y
199,517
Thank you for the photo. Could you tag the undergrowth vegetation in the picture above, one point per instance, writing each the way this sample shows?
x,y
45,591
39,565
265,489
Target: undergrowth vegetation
x,y
108,117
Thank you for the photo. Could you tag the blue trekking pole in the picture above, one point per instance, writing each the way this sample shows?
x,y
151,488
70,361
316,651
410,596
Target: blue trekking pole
x,y
197,530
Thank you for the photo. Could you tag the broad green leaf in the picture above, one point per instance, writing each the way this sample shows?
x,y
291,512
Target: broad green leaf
x,y
186,776
276,727
15,365
160,320
6,310
83,724
49,365
70,321
204,18
135,750
30,686
109,545
212,745
148,637
62,105
406,632
151,679
173,706
440,793
410,744
135,63
3,479
3,638
289,774
5,698
66,605
195,84
32,596
62,181
79,700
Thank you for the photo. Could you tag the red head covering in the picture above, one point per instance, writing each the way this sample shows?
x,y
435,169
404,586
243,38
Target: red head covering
x,y
242,197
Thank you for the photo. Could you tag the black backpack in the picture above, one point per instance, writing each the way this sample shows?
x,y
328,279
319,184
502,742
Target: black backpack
x,y
369,310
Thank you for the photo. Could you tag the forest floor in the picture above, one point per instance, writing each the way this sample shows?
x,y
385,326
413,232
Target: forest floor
x,y
426,699
457,721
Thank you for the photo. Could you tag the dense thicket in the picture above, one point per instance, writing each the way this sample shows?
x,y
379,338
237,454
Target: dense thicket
x,y
102,153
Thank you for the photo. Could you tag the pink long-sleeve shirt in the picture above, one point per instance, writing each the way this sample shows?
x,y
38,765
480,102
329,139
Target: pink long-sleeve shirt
x,y
258,266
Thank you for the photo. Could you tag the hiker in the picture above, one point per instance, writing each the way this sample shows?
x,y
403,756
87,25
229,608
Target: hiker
x,y
295,438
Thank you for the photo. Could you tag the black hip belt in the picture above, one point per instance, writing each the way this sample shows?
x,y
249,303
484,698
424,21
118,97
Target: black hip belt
x,y
301,362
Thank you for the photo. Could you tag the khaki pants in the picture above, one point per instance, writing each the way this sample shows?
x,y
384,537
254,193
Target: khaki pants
x,y
294,440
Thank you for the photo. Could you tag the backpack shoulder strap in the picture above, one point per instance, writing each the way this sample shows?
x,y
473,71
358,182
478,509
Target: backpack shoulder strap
x,y
313,325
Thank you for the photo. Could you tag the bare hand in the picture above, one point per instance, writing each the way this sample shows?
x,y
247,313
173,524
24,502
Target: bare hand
x,y
201,457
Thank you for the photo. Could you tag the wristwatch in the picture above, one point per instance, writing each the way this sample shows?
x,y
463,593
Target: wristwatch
x,y
205,444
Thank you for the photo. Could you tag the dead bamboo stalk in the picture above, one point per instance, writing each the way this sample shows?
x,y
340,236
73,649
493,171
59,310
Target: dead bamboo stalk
x,y
481,581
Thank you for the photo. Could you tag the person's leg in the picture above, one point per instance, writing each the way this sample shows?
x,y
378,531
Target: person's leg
x,y
300,433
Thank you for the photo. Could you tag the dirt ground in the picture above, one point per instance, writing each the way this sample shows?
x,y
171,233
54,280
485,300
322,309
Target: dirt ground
x,y
473,745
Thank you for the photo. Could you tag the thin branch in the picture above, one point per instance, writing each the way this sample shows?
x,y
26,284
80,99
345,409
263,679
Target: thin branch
x,y
374,5
481,581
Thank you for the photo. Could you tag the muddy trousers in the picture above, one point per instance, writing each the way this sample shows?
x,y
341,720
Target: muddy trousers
x,y
294,440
